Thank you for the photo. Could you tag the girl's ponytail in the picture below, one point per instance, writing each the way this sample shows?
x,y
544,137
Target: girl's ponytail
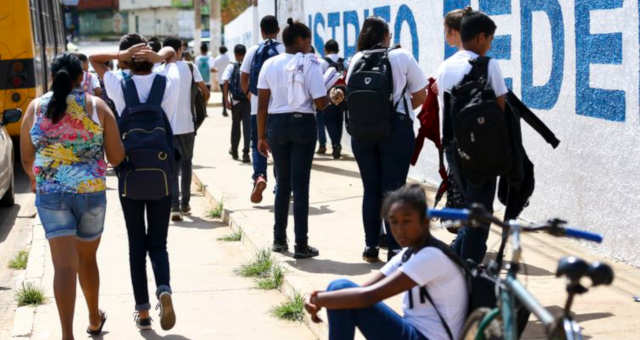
x,y
65,69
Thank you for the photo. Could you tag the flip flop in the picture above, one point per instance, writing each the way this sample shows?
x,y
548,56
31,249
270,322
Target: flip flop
x,y
103,319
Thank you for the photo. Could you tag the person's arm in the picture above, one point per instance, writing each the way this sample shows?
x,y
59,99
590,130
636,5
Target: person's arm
x,y
244,82
321,103
225,93
27,149
98,60
147,54
502,103
263,106
497,83
114,150
418,98
317,89
97,91
204,89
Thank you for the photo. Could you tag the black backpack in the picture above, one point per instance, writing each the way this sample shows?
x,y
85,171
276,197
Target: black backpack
x,y
338,65
234,84
370,97
198,103
147,170
265,51
480,130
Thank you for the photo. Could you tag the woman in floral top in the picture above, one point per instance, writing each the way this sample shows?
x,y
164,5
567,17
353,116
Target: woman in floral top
x,y
65,135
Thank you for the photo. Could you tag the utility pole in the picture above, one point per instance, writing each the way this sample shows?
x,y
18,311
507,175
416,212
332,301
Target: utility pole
x,y
215,26
198,22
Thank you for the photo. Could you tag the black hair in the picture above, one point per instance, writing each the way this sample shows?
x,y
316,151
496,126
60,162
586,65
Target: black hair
x,y
155,45
412,195
130,40
83,57
331,46
204,48
269,25
223,49
65,68
240,49
373,32
173,42
476,23
453,19
313,50
294,30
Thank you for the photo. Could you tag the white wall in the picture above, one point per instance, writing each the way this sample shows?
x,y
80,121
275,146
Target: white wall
x,y
245,29
163,22
137,4
576,63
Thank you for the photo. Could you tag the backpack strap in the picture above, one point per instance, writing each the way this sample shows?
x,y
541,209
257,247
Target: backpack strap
x,y
480,68
444,322
130,92
157,90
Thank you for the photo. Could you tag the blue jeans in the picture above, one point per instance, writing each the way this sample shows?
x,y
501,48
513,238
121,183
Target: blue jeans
x,y
292,139
67,214
258,161
322,136
384,166
184,167
333,120
378,322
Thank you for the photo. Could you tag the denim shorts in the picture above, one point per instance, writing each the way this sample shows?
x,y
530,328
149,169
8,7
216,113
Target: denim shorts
x,y
67,214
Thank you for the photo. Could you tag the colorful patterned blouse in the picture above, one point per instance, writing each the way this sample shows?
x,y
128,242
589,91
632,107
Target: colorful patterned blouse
x,y
69,154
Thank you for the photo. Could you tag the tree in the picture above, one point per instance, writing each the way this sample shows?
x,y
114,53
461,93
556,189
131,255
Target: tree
x,y
232,8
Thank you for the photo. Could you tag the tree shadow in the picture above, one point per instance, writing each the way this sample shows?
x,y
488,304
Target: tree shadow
x,y
333,267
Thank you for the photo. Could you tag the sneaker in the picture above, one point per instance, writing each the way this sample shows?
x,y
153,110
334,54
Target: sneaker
x,y
322,150
304,252
143,324
258,188
176,215
280,247
167,314
337,151
246,159
186,210
391,253
370,255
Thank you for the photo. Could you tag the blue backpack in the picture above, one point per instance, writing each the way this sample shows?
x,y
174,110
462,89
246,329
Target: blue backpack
x,y
147,170
234,84
265,51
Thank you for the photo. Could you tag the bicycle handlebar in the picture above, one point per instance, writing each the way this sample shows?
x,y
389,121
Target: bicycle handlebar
x,y
581,234
450,214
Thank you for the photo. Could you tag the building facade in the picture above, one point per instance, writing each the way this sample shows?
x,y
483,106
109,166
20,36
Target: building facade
x,y
162,17
99,18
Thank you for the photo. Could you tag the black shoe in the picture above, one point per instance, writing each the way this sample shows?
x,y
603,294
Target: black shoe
x,y
280,247
225,114
383,241
246,158
142,324
322,150
304,252
391,253
337,151
234,154
370,255
186,210
176,215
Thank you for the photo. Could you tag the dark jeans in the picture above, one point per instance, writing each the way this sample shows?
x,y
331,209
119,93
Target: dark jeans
x,y
320,124
257,159
184,167
240,114
333,117
292,139
384,166
151,238
224,104
378,322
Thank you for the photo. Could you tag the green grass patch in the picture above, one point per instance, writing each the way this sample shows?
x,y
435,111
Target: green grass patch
x,y
274,279
217,211
233,237
20,260
259,267
292,310
29,295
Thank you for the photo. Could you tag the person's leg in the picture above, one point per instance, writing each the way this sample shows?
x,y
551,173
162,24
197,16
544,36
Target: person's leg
x,y
277,134
322,136
304,143
158,219
134,212
236,116
367,156
175,180
378,322
245,115
188,143
395,158
224,105
259,161
333,121
65,265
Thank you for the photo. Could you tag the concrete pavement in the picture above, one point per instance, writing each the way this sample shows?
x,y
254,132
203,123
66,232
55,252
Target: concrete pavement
x,y
335,228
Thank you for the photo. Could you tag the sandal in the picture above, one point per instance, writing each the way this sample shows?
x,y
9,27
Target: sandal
x,y
96,332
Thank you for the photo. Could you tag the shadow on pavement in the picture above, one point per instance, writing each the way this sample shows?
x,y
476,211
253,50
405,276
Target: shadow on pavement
x,y
199,223
333,267
7,220
152,335
525,269
335,171
344,158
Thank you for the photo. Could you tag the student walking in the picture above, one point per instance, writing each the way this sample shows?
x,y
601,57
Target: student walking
x,y
239,104
184,130
288,87
333,116
476,33
69,131
382,136
249,73
90,83
146,103
220,63
435,300
205,63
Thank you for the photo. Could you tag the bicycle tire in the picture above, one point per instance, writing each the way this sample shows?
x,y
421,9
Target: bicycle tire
x,y
492,332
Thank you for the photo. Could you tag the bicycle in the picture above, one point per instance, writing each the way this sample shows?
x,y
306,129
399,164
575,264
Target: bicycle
x,y
500,322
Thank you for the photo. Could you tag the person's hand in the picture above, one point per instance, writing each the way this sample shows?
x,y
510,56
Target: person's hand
x,y
336,95
263,147
229,105
147,54
311,308
434,87
33,184
127,54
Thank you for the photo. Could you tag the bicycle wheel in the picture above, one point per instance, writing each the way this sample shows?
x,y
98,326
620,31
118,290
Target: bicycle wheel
x,y
493,331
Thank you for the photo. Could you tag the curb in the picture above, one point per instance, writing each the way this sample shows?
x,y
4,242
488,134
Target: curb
x,y
320,331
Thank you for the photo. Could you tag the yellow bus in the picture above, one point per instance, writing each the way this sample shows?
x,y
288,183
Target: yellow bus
x,y
31,35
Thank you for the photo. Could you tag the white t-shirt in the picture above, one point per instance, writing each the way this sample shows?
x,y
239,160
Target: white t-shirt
x,y
246,68
324,64
405,72
446,284
89,83
220,63
182,122
113,80
275,77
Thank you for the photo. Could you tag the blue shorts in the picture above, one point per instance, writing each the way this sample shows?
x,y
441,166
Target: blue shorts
x,y
66,214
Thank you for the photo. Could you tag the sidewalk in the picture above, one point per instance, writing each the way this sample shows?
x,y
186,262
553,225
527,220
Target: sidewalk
x,y
335,228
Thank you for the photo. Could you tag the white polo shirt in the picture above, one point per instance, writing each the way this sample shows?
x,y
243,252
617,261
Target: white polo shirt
x,y
220,63
246,68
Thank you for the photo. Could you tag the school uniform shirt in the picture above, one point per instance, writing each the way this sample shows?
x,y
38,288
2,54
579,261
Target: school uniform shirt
x,y
113,80
275,77
182,122
446,284
89,83
220,63
246,68
324,64
405,72
226,77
